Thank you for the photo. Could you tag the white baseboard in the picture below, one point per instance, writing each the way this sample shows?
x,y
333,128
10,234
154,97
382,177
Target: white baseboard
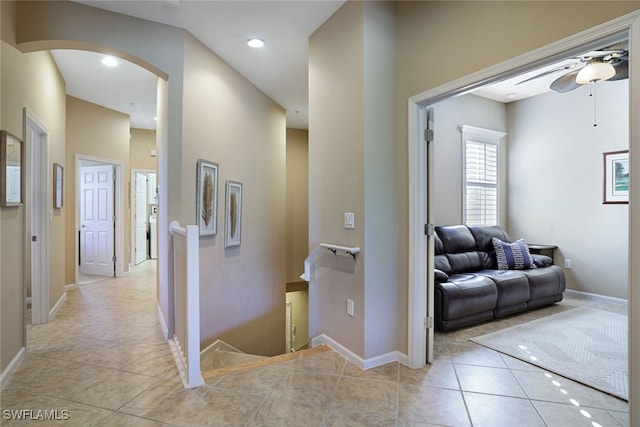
x,y
220,345
163,324
70,287
383,359
589,295
5,375
57,306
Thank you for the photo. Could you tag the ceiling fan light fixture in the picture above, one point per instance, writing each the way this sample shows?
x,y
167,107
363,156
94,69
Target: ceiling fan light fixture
x,y
595,72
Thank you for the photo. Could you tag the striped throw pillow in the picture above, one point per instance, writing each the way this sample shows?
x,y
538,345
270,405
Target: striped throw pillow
x,y
512,256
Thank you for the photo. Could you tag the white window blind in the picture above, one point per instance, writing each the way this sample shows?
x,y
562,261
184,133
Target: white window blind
x,y
481,177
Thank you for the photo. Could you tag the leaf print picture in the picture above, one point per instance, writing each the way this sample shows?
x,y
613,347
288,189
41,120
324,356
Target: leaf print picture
x,y
207,197
233,216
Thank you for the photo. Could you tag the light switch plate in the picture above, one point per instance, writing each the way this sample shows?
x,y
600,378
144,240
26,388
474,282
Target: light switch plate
x,y
350,307
349,220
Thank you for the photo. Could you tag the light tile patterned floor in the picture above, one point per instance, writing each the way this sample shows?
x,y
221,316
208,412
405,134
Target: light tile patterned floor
x,y
103,360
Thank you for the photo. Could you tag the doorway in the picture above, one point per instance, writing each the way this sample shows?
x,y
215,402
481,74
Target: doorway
x,y
99,219
37,214
143,215
421,165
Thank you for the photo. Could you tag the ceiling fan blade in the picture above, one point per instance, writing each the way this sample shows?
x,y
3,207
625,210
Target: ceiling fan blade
x,y
566,82
546,73
622,71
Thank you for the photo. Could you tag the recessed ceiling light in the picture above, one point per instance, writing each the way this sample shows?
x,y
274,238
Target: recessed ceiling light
x,y
255,42
110,61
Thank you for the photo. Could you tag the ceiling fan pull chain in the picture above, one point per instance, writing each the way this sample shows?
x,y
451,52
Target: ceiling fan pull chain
x,y
595,121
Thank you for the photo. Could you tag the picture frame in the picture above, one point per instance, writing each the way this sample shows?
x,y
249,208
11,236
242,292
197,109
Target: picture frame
x,y
11,170
207,197
616,177
58,189
233,214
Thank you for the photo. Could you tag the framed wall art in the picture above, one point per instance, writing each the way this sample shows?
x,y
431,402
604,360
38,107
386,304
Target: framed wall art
x,y
58,199
233,214
616,177
207,197
11,170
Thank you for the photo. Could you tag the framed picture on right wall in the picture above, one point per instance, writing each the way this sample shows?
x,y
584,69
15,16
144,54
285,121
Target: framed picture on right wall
x,y
616,177
233,214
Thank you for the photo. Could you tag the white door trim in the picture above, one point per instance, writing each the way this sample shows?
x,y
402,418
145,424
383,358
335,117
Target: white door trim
x,y
417,339
38,214
119,190
133,213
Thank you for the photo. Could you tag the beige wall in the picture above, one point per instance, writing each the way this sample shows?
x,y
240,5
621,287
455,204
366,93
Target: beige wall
x,y
46,25
229,121
437,42
555,182
297,202
336,173
95,133
468,37
215,127
142,142
449,115
351,158
28,81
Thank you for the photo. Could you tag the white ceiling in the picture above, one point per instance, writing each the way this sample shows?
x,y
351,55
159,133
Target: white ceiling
x,y
279,69
512,89
127,88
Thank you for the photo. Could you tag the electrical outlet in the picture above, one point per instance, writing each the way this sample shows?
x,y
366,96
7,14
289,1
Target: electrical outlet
x,y
567,263
350,307
349,220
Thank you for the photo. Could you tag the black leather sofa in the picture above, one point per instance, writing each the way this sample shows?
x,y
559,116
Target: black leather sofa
x,y
469,287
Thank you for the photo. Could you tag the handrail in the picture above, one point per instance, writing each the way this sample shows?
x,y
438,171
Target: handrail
x,y
186,272
353,251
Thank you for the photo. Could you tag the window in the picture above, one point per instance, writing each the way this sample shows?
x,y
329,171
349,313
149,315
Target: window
x,y
481,175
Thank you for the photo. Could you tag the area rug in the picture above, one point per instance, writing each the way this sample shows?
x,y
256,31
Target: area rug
x,y
583,344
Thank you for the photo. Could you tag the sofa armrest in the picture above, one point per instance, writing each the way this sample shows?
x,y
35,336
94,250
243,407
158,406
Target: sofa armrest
x,y
440,275
542,260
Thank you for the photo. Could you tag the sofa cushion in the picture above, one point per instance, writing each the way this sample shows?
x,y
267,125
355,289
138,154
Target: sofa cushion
x,y
512,256
484,234
512,285
440,276
542,260
456,239
460,250
467,294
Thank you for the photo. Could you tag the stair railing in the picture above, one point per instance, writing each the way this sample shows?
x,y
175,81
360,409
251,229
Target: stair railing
x,y
313,257
186,285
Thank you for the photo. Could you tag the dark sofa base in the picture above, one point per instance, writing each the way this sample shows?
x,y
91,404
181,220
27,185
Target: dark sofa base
x,y
485,316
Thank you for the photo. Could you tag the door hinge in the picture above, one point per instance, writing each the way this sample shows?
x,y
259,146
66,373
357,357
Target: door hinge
x,y
114,218
428,322
429,229
114,258
34,238
428,135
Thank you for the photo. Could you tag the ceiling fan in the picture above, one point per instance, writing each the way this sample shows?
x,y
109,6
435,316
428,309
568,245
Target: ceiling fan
x,y
611,63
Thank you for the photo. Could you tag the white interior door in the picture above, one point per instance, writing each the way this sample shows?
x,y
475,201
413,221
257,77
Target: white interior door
x,y
141,218
96,220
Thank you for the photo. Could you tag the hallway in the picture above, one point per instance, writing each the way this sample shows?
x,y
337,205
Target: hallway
x,y
102,361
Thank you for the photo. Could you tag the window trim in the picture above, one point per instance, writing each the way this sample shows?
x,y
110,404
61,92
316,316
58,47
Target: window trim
x,y
485,136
